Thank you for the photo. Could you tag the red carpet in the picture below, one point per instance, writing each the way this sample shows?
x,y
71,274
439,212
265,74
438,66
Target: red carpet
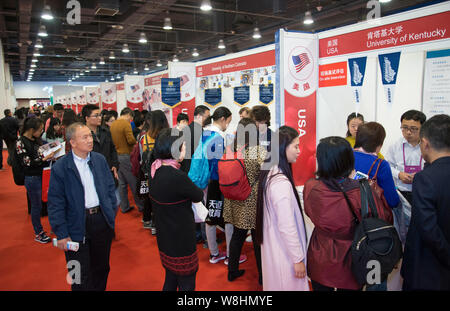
x,y
135,264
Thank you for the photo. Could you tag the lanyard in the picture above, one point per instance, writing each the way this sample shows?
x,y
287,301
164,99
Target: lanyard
x,y
404,162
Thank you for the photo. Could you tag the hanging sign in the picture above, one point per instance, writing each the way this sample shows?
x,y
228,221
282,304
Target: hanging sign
x,y
389,64
266,94
171,91
242,95
213,97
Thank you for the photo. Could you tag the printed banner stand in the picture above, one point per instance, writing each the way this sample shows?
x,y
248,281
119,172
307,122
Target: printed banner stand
x,y
297,56
357,67
266,94
213,97
171,92
185,71
241,95
389,64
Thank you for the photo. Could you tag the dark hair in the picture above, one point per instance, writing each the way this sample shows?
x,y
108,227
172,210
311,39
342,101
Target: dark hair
x,y
7,112
164,141
286,135
114,113
260,113
58,107
246,109
126,111
353,115
335,158
158,121
87,111
138,118
243,123
106,117
414,115
370,136
437,131
181,117
221,112
200,110
51,131
69,117
31,122
207,121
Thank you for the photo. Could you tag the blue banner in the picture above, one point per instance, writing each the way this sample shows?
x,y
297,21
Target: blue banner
x,y
171,91
389,64
357,68
213,97
266,94
241,95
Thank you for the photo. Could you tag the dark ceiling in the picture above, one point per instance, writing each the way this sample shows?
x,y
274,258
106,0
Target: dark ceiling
x,y
69,50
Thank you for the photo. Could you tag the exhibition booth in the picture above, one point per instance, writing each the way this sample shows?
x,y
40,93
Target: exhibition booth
x,y
312,82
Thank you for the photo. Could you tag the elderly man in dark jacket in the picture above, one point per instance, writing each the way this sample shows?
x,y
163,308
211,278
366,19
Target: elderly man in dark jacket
x,y
426,261
81,207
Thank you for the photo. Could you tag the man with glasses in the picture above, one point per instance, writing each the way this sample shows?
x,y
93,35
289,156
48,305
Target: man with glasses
x,y
404,156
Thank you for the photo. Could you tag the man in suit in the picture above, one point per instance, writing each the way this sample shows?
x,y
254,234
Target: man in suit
x,y
82,207
426,261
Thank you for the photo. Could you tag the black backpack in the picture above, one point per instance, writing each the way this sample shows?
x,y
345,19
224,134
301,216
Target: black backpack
x,y
374,239
17,169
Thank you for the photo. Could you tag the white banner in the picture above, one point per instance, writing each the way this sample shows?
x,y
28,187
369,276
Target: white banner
x,y
92,95
134,91
185,71
108,95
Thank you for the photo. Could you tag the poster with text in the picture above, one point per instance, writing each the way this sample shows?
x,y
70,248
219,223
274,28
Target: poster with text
x,y
436,88
134,91
187,74
108,95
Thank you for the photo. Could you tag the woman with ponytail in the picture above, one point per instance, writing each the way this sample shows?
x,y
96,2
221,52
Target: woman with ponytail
x,y
280,228
33,161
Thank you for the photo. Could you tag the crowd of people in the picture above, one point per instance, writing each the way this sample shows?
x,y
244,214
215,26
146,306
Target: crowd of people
x,y
168,169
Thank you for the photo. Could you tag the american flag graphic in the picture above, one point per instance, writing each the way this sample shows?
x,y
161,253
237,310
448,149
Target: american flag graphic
x,y
108,92
300,61
134,88
92,94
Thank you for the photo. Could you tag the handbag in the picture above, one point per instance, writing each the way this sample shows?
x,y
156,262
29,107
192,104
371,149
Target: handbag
x,y
214,203
142,180
200,212
375,240
383,208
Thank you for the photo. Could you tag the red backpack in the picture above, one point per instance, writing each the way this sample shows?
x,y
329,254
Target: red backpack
x,y
233,179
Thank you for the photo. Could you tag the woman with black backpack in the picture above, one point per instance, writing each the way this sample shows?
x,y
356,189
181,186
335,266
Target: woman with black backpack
x,y
329,252
33,161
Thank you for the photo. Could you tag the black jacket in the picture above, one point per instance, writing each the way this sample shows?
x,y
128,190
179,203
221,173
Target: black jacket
x,y
30,157
10,127
104,144
426,260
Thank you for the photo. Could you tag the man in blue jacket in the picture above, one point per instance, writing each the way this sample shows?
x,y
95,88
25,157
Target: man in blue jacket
x,y
426,261
81,208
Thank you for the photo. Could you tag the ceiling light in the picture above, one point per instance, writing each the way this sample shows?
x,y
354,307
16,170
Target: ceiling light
x,y
135,71
167,24
81,73
42,31
384,1
221,44
125,48
33,66
146,68
106,80
256,33
93,66
36,53
118,76
38,44
32,69
308,18
142,38
77,76
112,78
158,64
34,60
102,61
119,27
47,13
195,52
111,55
175,58
206,5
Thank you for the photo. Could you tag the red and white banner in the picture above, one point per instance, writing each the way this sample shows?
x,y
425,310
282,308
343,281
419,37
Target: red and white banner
x,y
81,94
186,72
298,63
93,95
152,95
258,60
413,31
333,74
134,91
74,99
108,96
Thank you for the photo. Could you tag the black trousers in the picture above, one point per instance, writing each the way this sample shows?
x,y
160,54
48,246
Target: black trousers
x,y
317,287
236,243
175,282
92,257
147,214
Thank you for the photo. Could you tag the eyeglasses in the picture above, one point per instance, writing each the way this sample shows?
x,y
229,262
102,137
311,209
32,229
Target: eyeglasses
x,y
411,129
